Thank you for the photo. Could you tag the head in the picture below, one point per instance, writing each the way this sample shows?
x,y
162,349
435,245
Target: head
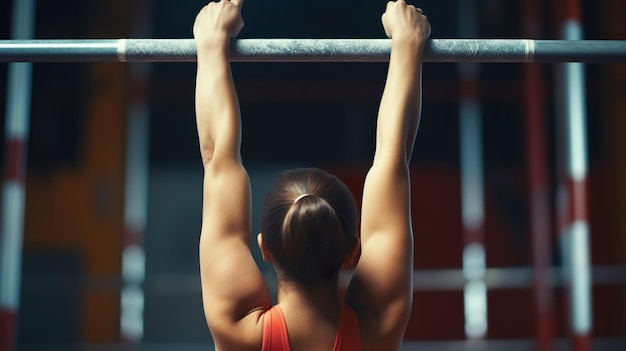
x,y
308,225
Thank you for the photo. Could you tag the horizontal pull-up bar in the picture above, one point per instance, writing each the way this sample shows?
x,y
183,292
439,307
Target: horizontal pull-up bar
x,y
313,50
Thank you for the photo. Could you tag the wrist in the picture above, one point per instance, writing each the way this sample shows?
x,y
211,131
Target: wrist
x,y
408,39
409,45
213,43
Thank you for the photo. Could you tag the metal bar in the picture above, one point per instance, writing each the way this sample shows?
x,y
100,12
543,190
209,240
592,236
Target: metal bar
x,y
498,278
570,50
314,50
573,183
13,190
132,294
472,185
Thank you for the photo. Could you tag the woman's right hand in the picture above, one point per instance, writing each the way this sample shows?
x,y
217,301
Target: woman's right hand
x,y
218,20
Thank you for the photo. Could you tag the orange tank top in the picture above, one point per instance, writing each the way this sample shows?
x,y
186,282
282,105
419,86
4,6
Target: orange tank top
x,y
275,336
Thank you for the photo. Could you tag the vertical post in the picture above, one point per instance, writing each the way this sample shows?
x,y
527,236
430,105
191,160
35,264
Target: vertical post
x,y
573,226
472,189
16,141
537,184
136,187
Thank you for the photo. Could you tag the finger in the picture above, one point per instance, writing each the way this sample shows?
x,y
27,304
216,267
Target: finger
x,y
419,10
389,4
238,3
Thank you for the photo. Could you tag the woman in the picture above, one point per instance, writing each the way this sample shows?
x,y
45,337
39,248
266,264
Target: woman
x,y
308,218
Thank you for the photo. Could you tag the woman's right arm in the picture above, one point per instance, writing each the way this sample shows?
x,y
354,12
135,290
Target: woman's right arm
x,y
382,289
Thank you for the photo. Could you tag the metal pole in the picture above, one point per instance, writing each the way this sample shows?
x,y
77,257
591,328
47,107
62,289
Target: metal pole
x,y
13,193
314,50
537,180
574,227
472,187
136,188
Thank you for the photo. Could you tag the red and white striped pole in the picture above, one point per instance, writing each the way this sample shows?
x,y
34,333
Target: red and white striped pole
x,y
574,226
472,186
538,184
13,193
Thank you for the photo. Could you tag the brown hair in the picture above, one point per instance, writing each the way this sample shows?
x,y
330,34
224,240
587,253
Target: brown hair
x,y
309,238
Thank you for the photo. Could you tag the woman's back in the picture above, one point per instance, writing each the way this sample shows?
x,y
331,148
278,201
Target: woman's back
x,y
289,328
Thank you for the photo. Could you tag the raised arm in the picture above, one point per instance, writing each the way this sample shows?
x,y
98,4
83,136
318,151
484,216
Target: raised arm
x,y
233,291
382,284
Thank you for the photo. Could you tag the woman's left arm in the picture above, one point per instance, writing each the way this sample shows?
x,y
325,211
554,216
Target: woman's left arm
x,y
233,291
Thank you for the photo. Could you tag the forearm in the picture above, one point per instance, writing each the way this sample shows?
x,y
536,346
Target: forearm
x,y
398,116
217,107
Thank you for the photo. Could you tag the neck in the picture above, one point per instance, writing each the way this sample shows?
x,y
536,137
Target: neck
x,y
304,306
317,296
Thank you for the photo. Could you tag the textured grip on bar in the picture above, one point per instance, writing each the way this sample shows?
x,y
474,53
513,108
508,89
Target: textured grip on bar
x,y
476,50
311,50
160,50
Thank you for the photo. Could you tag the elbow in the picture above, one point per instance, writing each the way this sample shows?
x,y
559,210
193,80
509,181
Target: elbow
x,y
207,150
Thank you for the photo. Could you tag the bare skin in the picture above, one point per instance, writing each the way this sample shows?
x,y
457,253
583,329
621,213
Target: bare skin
x,y
235,296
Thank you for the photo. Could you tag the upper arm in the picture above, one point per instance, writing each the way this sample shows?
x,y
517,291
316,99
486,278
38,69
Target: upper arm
x,y
382,283
233,291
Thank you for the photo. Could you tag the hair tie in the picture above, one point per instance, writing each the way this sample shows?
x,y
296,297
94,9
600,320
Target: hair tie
x,y
300,197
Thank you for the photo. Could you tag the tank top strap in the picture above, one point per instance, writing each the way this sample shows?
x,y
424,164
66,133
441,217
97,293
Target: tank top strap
x,y
349,331
275,336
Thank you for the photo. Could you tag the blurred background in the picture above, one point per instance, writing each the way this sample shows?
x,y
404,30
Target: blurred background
x,y
113,184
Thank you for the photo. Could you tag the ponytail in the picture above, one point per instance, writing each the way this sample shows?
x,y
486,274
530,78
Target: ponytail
x,y
314,244
308,224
